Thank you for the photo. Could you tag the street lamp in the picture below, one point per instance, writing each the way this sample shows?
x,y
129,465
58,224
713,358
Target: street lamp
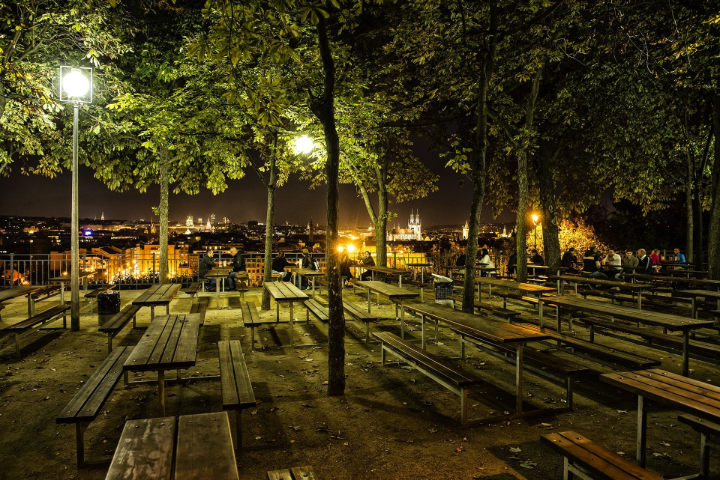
x,y
535,222
303,145
75,87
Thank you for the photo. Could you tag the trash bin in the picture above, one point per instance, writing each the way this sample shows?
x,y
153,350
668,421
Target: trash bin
x,y
443,289
108,304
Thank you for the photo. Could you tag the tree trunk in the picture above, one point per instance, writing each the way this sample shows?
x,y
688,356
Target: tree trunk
x,y
689,212
382,217
324,108
714,229
164,271
548,207
478,173
267,270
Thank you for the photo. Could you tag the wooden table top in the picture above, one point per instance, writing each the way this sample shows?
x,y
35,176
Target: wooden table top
x,y
219,272
390,291
523,287
672,322
139,437
306,272
663,278
157,295
14,292
495,330
387,270
169,343
284,292
657,385
600,281
67,278
699,293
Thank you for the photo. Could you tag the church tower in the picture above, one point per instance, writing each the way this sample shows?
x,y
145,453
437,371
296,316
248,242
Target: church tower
x,y
415,225
466,231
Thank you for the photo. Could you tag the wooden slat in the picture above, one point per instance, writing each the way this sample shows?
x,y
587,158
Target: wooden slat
x,y
357,313
429,361
701,425
246,395
658,392
119,321
684,383
249,313
387,290
187,346
205,448
110,367
36,319
172,341
303,473
145,450
144,348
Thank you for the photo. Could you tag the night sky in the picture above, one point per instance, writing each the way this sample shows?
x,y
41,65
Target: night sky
x,y
244,200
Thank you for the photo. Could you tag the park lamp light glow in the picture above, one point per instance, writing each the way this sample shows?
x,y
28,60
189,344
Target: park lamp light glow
x,y
534,218
76,84
340,248
303,145
351,248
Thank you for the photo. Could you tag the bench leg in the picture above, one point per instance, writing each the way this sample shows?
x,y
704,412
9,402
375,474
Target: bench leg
x,y
704,456
641,431
367,332
109,343
463,406
135,321
17,344
422,323
592,333
252,338
382,354
152,313
686,354
126,380
518,377
569,391
238,430
567,472
80,442
462,347
161,391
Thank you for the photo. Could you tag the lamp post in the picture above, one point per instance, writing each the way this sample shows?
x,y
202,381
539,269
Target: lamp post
x,y
535,222
75,87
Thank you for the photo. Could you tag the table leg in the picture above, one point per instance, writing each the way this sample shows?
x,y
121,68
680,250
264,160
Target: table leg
x,y
422,318
518,378
291,324
686,354
167,309
557,314
277,311
400,280
373,275
313,287
692,307
161,391
217,292
152,313
402,319
368,293
639,301
540,313
641,431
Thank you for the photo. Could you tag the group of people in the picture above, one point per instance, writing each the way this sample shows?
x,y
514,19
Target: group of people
x,y
612,264
278,266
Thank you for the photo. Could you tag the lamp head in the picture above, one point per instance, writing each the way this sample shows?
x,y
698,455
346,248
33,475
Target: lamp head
x,y
76,84
534,218
304,145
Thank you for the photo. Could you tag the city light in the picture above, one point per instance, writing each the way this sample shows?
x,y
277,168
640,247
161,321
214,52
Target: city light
x,y
304,145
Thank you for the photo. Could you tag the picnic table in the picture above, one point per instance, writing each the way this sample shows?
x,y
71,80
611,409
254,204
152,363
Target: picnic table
x,y
395,294
667,389
169,343
695,294
386,271
219,273
306,272
662,278
194,447
157,296
492,330
636,288
284,292
529,288
422,266
63,279
657,319
14,292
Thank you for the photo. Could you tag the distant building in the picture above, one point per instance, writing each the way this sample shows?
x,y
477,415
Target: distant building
x,y
466,231
413,232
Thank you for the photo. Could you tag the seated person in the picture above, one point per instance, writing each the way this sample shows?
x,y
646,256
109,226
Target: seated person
x,y
237,264
613,263
484,257
307,262
345,264
645,264
655,257
679,257
592,265
278,266
206,264
460,262
536,258
367,261
512,264
568,260
629,261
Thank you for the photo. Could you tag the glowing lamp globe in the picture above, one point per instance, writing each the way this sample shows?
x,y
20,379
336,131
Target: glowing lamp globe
x,y
534,218
304,145
75,84
351,248
340,249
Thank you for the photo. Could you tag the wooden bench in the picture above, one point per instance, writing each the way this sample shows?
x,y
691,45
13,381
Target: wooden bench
x,y
704,349
587,459
534,360
95,293
39,319
709,436
317,309
361,316
503,313
295,473
602,352
195,447
237,391
447,375
200,307
193,289
251,319
113,326
88,401
42,294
